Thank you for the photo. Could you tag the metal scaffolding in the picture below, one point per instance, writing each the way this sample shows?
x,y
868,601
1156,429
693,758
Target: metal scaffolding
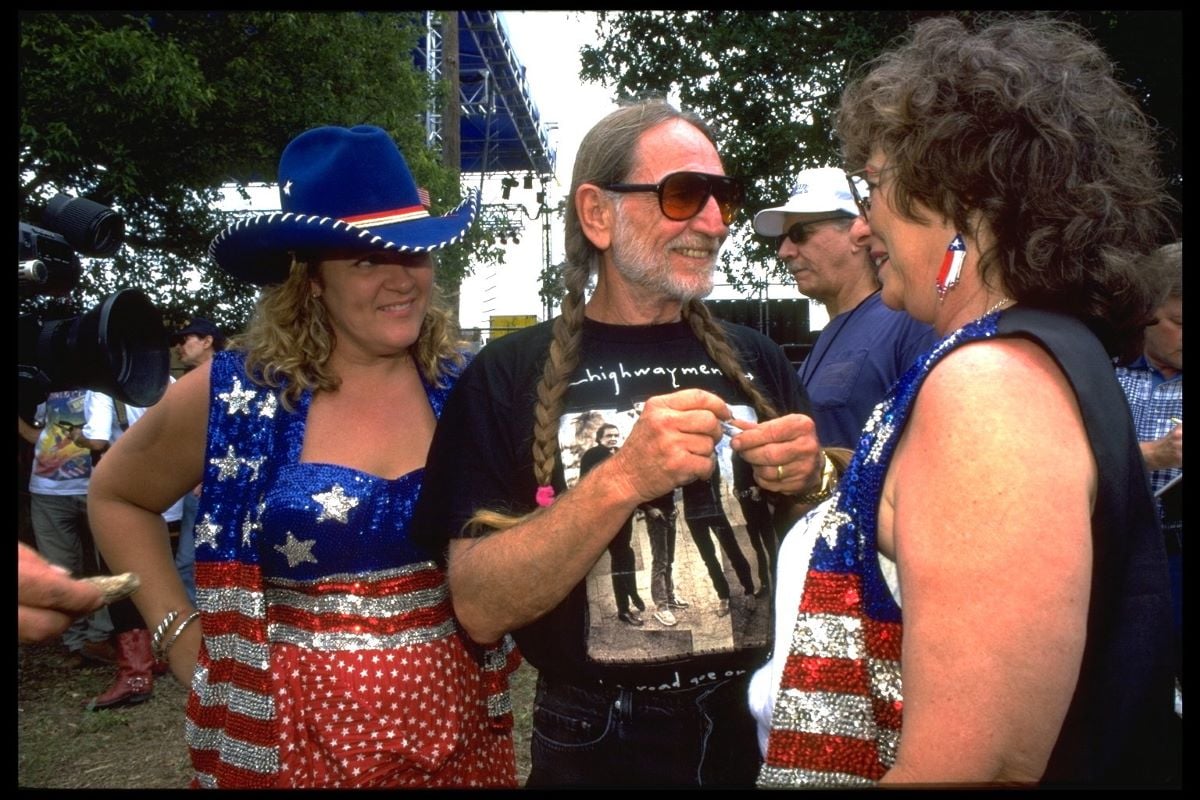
x,y
500,129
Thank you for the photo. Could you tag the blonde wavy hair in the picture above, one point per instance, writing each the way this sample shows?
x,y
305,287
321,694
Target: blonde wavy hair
x,y
289,339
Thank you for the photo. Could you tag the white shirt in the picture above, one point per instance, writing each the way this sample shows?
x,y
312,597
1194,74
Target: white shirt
x,y
791,569
100,421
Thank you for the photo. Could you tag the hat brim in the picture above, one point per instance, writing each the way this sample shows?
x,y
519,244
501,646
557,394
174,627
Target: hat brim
x,y
257,249
770,222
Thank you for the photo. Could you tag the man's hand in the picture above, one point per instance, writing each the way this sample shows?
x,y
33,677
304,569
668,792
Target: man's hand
x,y
1165,452
785,453
670,445
48,599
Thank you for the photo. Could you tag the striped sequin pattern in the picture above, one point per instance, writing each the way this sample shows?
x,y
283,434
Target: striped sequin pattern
x,y
231,711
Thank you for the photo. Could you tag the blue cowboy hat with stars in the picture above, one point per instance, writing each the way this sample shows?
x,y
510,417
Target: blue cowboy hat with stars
x,y
339,188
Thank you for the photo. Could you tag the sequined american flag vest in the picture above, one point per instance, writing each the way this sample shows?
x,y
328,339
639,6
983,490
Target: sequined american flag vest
x,y
837,714
230,723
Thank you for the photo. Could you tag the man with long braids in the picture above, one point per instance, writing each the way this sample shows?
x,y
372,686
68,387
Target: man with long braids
x,y
617,704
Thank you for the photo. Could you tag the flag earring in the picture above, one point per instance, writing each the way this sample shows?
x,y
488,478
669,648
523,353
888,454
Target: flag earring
x,y
951,269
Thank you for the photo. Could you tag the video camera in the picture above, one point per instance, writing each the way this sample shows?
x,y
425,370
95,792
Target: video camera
x,y
119,347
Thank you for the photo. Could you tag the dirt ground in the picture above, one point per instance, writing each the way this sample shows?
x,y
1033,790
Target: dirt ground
x,y
60,745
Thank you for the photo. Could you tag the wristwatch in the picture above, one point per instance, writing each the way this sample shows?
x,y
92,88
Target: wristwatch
x,y
828,484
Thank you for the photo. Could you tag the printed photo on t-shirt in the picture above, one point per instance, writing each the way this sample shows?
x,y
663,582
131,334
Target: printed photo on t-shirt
x,y
688,573
56,456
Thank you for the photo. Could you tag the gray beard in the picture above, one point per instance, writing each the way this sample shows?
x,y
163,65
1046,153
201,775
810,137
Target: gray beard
x,y
652,271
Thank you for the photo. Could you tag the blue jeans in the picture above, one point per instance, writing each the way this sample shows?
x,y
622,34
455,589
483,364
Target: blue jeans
x,y
597,735
185,556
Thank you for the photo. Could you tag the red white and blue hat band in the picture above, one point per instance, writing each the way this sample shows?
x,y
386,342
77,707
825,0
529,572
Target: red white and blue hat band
x,y
389,217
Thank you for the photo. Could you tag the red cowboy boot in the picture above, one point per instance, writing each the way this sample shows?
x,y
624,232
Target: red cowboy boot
x,y
135,672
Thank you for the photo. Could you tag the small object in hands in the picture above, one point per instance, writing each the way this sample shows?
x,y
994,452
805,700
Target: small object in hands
x,y
730,430
1176,421
115,587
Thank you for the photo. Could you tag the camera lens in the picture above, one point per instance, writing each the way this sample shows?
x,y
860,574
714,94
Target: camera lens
x,y
91,228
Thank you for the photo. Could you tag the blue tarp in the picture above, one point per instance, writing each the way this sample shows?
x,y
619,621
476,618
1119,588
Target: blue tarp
x,y
501,128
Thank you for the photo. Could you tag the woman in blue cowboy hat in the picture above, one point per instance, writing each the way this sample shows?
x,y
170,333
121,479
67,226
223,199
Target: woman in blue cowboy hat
x,y
324,651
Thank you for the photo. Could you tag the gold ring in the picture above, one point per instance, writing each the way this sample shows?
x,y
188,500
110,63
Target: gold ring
x,y
779,473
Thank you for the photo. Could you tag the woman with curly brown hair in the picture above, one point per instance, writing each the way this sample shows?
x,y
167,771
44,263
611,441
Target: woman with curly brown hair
x,y
326,652
998,489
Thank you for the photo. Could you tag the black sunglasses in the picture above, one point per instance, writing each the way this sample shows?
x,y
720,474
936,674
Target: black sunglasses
x,y
801,231
682,195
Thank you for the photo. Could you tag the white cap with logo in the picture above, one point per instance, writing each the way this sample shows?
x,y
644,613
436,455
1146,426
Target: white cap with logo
x,y
821,192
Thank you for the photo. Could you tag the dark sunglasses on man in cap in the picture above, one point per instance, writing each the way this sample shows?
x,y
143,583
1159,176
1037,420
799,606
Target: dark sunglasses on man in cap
x,y
800,232
682,195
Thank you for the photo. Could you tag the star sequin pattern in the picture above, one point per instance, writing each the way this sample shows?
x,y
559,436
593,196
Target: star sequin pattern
x,y
207,532
227,466
252,523
832,520
268,406
254,465
335,504
237,399
298,551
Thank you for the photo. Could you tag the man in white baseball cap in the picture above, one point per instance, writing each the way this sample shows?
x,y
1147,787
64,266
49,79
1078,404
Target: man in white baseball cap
x,y
866,346
818,195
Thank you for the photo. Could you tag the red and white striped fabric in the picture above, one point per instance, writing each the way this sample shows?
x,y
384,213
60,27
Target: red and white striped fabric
x,y
837,717
351,683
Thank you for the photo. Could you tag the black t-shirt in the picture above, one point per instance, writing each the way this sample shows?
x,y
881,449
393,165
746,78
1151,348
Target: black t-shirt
x,y
481,458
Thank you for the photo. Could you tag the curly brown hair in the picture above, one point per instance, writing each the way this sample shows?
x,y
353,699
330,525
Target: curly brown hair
x,y
1021,127
289,339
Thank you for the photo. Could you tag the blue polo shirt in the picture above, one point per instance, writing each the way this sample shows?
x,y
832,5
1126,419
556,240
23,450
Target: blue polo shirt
x,y
855,360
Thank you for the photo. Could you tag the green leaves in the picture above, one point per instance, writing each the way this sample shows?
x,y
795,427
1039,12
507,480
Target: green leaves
x,y
770,84
152,112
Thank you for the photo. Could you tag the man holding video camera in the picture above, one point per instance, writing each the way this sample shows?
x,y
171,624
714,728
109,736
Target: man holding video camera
x,y
58,485
118,346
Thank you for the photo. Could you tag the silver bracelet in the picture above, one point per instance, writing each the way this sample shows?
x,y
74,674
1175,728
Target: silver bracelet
x,y
166,648
160,631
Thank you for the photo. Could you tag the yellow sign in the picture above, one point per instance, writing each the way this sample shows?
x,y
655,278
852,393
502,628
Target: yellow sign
x,y
507,323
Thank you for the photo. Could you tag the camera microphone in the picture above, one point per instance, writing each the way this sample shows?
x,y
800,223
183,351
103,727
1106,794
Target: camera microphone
x,y
32,272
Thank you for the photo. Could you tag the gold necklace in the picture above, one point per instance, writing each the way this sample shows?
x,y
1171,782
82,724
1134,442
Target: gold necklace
x,y
996,307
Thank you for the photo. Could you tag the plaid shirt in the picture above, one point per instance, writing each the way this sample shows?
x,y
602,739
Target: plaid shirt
x,y
1153,401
